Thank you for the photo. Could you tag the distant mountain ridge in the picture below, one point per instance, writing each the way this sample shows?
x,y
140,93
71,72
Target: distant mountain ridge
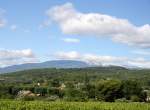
x,y
47,64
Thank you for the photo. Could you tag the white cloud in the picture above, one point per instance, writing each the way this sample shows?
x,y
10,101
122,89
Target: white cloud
x,y
13,57
13,27
2,22
68,55
45,23
141,52
2,19
71,40
72,21
104,60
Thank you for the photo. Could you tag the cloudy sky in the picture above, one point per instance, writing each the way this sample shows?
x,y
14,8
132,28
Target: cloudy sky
x,y
100,32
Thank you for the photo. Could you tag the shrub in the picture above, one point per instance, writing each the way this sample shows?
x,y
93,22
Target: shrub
x,y
26,98
52,98
135,98
122,100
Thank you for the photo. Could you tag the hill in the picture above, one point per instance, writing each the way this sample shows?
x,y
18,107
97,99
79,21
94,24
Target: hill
x,y
48,64
77,74
77,84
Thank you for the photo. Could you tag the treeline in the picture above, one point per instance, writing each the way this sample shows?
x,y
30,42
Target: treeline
x,y
82,84
109,90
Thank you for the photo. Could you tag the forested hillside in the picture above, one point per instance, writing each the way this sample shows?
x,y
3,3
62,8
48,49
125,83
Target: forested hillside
x,y
80,84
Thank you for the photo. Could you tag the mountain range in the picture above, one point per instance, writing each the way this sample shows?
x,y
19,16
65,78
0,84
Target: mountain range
x,y
48,64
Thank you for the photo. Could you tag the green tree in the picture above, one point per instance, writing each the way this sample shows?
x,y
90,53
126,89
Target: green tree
x,y
73,94
109,90
41,90
131,88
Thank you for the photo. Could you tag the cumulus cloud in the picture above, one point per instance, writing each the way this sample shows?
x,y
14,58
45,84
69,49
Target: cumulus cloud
x,y
2,19
71,40
121,30
13,57
104,60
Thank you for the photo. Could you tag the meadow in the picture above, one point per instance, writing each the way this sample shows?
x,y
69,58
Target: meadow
x,y
43,105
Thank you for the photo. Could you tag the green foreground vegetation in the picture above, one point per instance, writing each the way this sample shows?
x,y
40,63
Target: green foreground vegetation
x,y
99,88
106,84
40,105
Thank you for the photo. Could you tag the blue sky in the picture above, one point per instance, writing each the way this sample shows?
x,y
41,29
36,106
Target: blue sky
x,y
36,30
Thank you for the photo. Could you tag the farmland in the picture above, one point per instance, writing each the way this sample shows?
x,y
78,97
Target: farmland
x,y
43,105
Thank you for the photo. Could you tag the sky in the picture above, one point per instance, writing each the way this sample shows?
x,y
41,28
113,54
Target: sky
x,y
99,32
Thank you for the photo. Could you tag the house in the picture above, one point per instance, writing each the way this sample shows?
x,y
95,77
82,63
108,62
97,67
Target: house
x,y
79,85
23,93
62,86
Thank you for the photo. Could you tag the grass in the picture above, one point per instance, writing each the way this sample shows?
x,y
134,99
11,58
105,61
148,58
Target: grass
x,y
43,105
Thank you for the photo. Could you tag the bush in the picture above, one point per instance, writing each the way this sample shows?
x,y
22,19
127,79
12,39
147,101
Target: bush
x,y
122,100
135,98
6,96
52,98
26,98
76,99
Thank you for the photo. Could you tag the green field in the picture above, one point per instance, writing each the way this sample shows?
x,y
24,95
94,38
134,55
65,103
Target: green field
x,y
41,105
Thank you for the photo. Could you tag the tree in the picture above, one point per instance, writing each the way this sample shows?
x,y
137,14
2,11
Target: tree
x,y
73,94
91,91
41,90
55,83
143,96
131,88
109,90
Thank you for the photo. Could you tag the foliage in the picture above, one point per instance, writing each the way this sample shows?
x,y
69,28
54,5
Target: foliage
x,y
79,84
109,90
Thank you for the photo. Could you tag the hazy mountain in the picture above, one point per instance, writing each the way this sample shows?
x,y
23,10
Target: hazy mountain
x,y
48,64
